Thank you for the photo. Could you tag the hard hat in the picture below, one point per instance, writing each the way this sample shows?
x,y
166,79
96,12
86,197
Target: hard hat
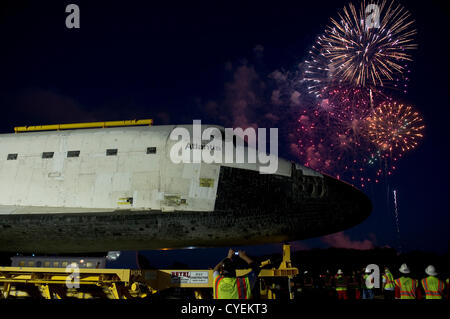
x,y
339,272
404,269
305,272
430,271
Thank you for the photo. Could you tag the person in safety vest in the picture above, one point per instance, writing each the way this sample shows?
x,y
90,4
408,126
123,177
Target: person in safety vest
x,y
307,284
354,285
432,286
406,287
388,284
328,284
367,285
227,285
341,285
448,288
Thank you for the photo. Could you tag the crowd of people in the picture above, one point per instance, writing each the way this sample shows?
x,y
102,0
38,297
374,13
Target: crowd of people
x,y
364,284
367,283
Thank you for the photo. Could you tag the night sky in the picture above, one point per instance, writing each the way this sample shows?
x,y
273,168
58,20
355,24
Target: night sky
x,y
179,61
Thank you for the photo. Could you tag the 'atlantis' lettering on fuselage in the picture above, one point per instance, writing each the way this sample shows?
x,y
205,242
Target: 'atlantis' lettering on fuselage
x,y
193,146
231,149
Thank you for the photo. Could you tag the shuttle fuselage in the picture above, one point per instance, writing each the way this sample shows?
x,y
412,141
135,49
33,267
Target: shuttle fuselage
x,y
98,190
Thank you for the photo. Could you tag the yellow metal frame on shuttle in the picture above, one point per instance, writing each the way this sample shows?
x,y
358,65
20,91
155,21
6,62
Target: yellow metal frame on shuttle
x,y
123,283
57,127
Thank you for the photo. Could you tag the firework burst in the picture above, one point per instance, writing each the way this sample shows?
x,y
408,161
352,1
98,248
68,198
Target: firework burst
x,y
348,126
343,136
394,127
346,109
318,72
365,48
332,136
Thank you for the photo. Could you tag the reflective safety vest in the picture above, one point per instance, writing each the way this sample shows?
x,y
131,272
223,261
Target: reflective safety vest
x,y
407,287
341,283
232,288
389,284
433,287
363,284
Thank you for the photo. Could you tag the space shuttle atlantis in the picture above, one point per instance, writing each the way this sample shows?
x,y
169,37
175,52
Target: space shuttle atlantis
x,y
82,188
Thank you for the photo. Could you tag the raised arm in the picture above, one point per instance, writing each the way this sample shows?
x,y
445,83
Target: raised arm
x,y
244,256
256,269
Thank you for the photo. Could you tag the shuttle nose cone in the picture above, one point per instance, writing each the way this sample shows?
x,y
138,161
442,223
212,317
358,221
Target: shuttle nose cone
x,y
348,205
326,205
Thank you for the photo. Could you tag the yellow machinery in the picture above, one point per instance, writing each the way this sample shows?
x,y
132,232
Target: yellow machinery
x,y
57,127
57,283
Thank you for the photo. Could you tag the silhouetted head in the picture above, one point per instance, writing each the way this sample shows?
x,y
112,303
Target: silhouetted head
x,y
228,269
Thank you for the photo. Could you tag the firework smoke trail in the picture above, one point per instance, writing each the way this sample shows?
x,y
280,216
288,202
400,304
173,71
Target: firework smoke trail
x,y
396,220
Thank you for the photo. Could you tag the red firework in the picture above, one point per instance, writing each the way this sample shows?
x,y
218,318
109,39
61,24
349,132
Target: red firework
x,y
332,137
